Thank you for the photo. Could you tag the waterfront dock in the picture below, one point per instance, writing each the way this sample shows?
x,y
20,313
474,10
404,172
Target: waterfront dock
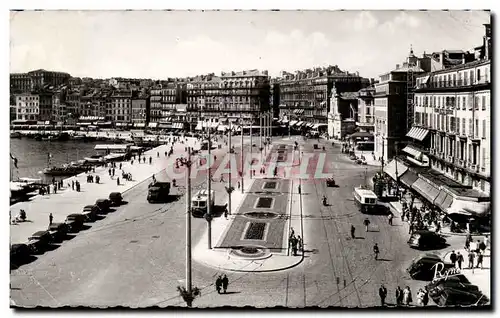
x,y
67,201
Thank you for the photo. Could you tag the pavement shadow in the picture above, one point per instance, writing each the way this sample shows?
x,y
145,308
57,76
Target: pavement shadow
x,y
384,260
433,248
68,237
218,210
15,264
111,210
231,292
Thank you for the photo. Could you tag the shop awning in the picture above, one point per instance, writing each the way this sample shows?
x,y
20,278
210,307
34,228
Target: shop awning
x,y
86,124
104,124
164,125
222,128
140,124
153,125
469,207
413,151
361,134
391,167
300,123
426,189
408,178
417,133
443,200
178,125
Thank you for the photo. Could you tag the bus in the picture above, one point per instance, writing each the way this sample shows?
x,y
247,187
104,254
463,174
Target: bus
x,y
365,199
199,202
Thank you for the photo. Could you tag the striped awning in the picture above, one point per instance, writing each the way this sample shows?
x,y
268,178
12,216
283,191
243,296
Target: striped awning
x,y
315,126
178,125
293,122
394,166
300,123
413,151
443,200
471,208
426,189
408,178
417,133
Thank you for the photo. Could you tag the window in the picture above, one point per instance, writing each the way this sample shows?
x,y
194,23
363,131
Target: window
x,y
476,130
471,128
471,76
479,74
483,102
476,103
484,128
464,102
483,159
463,127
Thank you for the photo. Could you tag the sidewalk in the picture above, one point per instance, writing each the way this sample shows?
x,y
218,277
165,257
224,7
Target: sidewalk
x,y
227,259
67,201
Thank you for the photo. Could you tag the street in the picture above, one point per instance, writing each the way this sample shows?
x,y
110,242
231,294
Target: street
x,y
136,255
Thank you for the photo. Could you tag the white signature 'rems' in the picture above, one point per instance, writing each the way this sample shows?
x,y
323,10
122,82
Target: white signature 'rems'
x,y
441,273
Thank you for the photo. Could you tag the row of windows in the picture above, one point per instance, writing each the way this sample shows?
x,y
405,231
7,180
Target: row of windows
x,y
461,102
469,77
453,124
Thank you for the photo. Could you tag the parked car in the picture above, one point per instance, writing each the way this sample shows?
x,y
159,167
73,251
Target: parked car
x,y
75,221
456,281
450,295
330,182
19,253
103,204
91,212
116,198
58,231
422,267
38,241
426,239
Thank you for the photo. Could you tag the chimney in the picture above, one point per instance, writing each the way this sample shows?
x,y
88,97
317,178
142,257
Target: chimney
x,y
463,58
441,58
397,66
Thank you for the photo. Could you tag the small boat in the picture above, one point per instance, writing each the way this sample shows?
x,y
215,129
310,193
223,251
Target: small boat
x,y
115,157
16,135
94,159
66,170
23,186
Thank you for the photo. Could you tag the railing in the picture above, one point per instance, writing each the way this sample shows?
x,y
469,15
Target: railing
x,y
455,83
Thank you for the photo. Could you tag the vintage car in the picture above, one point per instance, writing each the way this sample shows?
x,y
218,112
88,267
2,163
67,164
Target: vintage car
x,y
75,221
38,241
116,198
423,266
19,253
103,204
91,212
330,182
426,239
58,231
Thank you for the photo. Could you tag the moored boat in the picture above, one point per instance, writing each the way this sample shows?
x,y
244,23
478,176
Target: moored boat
x,y
66,170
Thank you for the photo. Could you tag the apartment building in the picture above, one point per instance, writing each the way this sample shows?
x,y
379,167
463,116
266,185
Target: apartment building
x,y
38,79
366,110
27,106
121,107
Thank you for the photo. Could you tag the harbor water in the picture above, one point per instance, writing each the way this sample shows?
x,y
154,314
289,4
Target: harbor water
x,y
32,155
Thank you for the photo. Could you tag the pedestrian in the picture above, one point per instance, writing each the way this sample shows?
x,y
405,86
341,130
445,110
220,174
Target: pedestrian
x,y
411,228
471,259
453,258
399,296
425,297
353,229
97,179
275,172
376,251
292,232
460,259
109,171
420,297
299,243
366,223
382,292
225,282
157,154
407,299
118,181
479,260
50,219
390,218
150,160
144,159
486,241
468,239
120,166
239,185
113,171
218,284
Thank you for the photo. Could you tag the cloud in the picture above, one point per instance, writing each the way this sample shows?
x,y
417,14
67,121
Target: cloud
x,y
365,20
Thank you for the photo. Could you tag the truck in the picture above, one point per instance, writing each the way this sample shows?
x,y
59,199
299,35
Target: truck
x,y
158,192
199,202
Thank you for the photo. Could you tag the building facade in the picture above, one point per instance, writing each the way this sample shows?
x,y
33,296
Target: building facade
x,y
140,110
344,109
305,95
39,79
391,107
366,110
27,106
121,107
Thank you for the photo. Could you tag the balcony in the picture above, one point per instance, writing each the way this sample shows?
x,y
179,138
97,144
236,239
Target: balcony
x,y
480,83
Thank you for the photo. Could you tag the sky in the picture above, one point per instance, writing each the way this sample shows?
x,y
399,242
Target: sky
x,y
162,44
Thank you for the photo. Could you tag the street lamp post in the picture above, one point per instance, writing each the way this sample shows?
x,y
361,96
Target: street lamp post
x,y
188,293
251,141
208,216
242,167
260,136
229,188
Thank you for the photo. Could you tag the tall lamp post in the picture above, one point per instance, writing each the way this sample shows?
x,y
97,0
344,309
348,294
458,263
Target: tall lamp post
x,y
208,215
188,293
242,167
229,188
